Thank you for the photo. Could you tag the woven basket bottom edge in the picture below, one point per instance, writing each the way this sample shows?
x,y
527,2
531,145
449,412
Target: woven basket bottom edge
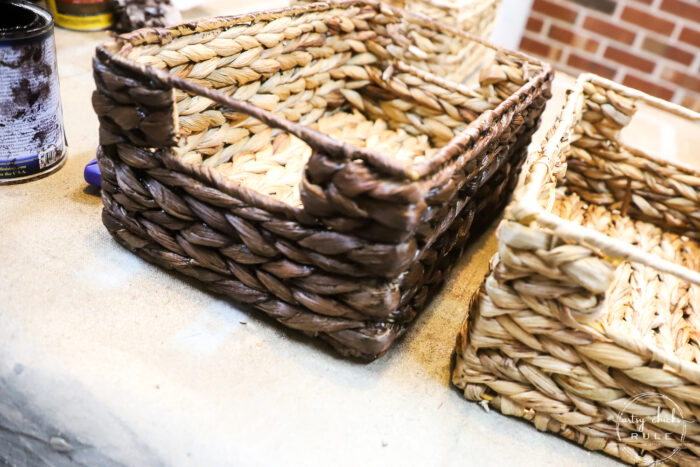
x,y
395,331
470,380
611,447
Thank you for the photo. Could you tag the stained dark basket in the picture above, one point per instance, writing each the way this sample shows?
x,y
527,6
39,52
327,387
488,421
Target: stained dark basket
x,y
357,247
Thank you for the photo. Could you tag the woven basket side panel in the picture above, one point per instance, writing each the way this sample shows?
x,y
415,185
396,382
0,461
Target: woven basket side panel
x,y
389,209
525,351
167,218
475,17
510,383
405,102
253,256
378,302
364,206
352,198
453,58
472,16
292,69
148,209
605,172
375,232
390,222
348,289
551,157
237,55
131,111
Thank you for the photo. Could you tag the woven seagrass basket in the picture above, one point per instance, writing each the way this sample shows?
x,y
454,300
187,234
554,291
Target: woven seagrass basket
x,y
476,17
290,161
589,323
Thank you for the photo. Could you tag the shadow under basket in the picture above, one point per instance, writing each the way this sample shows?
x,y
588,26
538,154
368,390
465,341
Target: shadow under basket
x,y
589,323
297,161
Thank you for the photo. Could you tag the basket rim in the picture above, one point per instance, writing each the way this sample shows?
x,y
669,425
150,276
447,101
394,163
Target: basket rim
x,y
459,5
525,209
447,157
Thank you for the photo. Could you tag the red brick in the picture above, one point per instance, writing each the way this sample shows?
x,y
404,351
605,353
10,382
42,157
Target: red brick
x,y
629,59
534,24
690,36
667,50
566,36
682,79
608,29
532,45
605,6
648,87
689,10
647,20
555,10
585,64
692,102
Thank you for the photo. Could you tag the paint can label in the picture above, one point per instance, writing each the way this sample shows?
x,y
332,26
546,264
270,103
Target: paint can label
x,y
82,15
32,137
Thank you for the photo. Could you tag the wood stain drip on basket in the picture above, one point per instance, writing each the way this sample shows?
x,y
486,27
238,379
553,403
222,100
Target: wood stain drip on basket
x,y
32,139
82,15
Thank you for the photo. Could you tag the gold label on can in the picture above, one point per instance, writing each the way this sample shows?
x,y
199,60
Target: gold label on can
x,y
82,15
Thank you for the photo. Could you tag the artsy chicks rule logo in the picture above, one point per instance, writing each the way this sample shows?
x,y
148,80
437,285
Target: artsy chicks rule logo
x,y
653,421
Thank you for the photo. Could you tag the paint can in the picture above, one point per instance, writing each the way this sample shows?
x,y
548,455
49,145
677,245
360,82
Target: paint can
x,y
82,15
32,138
41,3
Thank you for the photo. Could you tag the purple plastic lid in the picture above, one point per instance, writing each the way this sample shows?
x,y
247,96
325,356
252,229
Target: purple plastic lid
x,y
92,174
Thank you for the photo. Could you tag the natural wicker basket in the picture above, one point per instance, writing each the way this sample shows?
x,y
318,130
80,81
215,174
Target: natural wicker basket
x,y
476,17
473,16
201,173
590,316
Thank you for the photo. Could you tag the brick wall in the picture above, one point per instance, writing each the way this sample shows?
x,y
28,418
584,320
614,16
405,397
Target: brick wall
x,y
651,45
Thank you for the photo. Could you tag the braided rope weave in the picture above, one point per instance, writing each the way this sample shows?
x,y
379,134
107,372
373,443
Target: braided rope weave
x,y
593,299
221,158
477,17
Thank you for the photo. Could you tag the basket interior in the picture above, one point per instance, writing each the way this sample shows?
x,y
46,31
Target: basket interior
x,y
659,308
604,168
475,16
324,70
644,200
663,135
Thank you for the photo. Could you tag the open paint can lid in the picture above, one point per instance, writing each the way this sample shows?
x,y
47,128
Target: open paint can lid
x,y
22,20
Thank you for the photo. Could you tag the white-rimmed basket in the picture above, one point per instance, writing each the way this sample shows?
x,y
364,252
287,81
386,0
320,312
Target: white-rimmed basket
x,y
588,324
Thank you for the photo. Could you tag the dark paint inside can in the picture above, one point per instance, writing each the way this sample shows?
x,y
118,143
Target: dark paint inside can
x,y
32,138
19,21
